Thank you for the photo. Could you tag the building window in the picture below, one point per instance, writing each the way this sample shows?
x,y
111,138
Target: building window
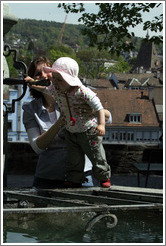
x,y
134,88
139,136
114,136
130,136
122,136
154,136
135,118
107,135
147,136
10,126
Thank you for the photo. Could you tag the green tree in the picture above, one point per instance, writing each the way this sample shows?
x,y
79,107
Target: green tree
x,y
108,28
119,67
12,70
92,62
56,52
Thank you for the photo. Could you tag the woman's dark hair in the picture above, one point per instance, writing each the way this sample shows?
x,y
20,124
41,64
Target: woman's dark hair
x,y
31,72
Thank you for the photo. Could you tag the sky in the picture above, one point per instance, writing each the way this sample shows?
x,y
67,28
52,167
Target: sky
x,y
49,11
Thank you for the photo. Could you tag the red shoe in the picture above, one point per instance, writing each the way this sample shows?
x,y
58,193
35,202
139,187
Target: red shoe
x,y
105,184
69,184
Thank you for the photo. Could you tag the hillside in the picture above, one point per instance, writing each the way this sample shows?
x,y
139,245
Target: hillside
x,y
46,33
34,38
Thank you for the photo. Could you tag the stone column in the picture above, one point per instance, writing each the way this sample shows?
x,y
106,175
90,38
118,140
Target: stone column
x,y
8,21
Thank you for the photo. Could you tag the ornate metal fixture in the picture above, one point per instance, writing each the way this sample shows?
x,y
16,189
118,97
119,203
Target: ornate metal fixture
x,y
21,66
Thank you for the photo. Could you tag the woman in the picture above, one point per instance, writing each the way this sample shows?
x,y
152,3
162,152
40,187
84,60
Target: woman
x,y
44,127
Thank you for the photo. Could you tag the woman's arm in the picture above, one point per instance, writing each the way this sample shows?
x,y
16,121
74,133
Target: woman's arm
x,y
108,116
50,90
46,138
39,142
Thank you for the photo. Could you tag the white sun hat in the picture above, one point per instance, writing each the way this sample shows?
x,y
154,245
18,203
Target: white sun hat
x,y
68,68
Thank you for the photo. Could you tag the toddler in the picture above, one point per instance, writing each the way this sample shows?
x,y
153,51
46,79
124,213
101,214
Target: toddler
x,y
83,132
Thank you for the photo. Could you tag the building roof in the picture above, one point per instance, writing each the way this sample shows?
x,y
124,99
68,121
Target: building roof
x,y
126,76
121,103
125,80
142,79
158,95
99,83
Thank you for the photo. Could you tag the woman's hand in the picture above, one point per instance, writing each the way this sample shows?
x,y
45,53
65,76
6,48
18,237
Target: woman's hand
x,y
28,79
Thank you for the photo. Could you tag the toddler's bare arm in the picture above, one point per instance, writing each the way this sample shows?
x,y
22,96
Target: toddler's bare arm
x,y
100,129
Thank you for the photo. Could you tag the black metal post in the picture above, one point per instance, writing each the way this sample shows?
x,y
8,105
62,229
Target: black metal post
x,y
5,147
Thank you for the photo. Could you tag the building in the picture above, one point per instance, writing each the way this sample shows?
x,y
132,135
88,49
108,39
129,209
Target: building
x,y
147,58
16,130
151,83
135,120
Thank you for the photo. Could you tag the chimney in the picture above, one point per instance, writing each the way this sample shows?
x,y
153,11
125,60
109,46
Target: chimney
x,y
151,93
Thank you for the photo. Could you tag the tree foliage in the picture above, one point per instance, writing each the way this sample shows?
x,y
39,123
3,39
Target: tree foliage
x,y
119,67
91,62
56,52
110,26
41,38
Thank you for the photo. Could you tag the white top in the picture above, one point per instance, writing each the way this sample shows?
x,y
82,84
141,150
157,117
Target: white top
x,y
79,96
